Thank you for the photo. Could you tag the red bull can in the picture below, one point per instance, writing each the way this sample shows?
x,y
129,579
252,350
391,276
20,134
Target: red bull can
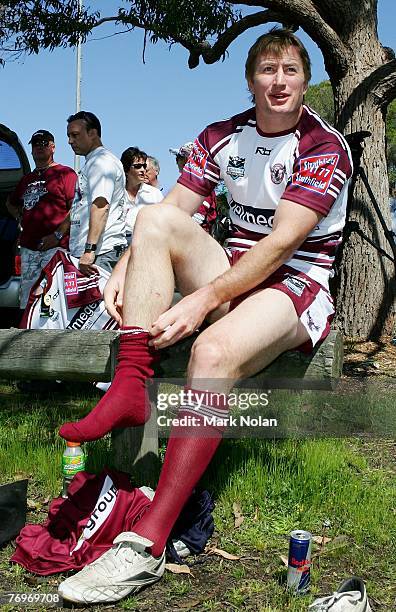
x,y
299,565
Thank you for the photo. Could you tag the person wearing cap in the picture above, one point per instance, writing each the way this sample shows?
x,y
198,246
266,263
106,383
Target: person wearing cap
x,y
206,214
139,193
42,201
97,233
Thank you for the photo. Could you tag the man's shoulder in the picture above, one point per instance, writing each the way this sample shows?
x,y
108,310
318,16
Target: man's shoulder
x,y
149,193
25,181
234,124
315,131
102,156
62,169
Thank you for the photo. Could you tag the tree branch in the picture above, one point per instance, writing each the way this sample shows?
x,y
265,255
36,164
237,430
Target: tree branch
x,y
211,54
382,83
302,13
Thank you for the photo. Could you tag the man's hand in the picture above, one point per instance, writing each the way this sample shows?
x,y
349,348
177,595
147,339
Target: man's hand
x,y
184,318
86,264
113,293
48,242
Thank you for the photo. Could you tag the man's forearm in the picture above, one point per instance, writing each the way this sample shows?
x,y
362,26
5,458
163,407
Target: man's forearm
x,y
97,220
252,269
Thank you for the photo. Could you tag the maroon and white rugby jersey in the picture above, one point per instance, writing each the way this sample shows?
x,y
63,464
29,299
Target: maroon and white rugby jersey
x,y
310,165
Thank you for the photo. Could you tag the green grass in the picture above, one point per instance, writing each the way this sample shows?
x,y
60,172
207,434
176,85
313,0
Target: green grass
x,y
280,485
29,443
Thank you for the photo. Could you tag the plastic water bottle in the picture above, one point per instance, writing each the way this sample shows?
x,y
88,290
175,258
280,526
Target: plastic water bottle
x,y
73,461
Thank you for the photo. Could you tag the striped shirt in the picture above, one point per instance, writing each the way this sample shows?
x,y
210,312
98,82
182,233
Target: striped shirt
x,y
310,165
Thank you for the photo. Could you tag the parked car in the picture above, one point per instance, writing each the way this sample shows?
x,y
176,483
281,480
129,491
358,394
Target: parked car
x,y
14,164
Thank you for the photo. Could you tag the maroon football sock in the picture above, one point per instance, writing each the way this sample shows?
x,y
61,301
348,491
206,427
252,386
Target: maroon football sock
x,y
189,452
126,403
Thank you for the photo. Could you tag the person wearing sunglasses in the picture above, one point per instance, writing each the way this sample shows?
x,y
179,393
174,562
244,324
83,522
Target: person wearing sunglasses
x,y
97,234
41,202
138,192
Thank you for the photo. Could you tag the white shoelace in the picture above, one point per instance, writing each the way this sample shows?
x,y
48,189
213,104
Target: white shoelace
x,y
124,552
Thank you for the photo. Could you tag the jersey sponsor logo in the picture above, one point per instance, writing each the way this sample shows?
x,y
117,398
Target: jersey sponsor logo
x,y
278,172
82,317
196,163
255,216
263,151
33,193
315,172
236,166
70,282
102,510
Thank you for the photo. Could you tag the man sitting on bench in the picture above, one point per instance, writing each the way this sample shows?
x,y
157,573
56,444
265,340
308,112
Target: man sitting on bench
x,y
287,173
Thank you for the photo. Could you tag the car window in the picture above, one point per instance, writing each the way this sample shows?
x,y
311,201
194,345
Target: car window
x,y
9,159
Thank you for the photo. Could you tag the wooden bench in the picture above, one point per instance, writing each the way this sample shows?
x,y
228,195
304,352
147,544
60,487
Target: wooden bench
x,y
91,356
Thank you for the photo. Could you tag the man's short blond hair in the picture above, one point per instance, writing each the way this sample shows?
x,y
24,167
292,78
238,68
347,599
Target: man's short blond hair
x,y
276,41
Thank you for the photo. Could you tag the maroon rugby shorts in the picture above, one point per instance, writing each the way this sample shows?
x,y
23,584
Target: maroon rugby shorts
x,y
312,302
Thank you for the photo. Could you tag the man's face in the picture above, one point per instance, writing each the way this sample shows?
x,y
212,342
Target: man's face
x,y
43,152
137,171
81,140
279,86
151,174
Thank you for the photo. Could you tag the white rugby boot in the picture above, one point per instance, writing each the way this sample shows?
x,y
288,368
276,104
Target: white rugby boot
x,y
350,596
123,570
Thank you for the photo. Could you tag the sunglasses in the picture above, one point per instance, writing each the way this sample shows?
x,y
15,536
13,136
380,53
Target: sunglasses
x,y
40,143
139,166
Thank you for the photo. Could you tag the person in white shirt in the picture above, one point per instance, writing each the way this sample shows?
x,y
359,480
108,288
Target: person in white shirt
x,y
138,193
97,233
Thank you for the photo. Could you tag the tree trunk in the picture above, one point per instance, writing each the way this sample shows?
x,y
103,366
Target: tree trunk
x,y
365,280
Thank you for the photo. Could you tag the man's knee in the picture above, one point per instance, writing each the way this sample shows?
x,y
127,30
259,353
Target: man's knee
x,y
208,358
157,216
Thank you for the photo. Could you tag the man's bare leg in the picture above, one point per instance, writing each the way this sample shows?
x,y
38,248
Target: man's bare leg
x,y
245,341
167,243
236,346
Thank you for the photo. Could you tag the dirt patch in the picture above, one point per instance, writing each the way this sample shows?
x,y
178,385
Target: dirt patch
x,y
370,359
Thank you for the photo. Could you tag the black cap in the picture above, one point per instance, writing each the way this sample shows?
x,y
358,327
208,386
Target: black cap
x,y
42,135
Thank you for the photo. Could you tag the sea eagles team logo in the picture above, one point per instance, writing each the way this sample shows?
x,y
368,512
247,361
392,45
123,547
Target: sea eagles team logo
x,y
311,323
33,193
236,167
277,173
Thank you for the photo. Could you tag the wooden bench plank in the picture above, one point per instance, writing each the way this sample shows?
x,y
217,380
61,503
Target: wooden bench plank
x,y
56,354
85,356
